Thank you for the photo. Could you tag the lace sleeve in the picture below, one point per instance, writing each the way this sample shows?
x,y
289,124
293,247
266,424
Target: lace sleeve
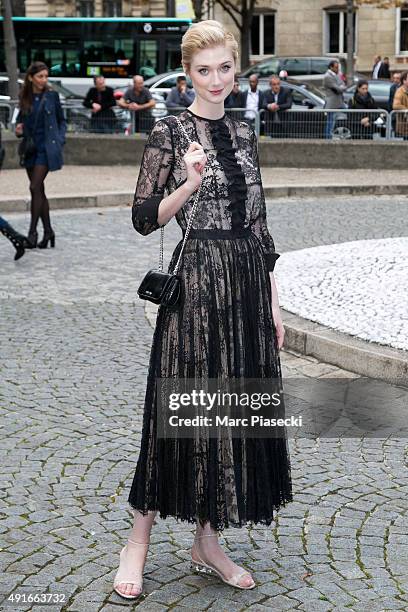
x,y
260,227
155,168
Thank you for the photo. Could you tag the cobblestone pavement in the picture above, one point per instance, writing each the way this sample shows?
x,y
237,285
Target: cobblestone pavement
x,y
74,345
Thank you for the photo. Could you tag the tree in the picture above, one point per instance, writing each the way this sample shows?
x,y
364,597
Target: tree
x,y
198,9
351,5
241,14
10,48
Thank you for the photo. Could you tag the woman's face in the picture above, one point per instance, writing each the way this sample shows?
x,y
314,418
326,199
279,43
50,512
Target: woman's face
x,y
363,90
40,79
212,72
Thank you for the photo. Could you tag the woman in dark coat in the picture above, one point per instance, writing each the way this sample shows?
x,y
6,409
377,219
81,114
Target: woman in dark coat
x,y
361,125
41,117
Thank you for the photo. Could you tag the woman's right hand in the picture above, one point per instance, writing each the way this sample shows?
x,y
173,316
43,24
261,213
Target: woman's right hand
x,y
19,129
195,160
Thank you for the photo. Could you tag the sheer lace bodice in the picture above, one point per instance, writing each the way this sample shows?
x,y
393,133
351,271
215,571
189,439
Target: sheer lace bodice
x,y
232,193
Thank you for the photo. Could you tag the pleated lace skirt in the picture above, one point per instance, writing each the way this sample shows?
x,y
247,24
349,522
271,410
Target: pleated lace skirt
x,y
223,330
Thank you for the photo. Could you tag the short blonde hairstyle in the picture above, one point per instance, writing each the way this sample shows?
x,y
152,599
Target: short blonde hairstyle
x,y
204,34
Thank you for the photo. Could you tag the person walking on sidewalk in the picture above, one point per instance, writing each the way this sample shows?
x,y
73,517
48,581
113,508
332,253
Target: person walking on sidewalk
x,y
41,119
16,239
228,326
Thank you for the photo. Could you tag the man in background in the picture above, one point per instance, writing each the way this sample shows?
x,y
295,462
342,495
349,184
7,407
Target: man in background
x,y
180,95
100,100
384,70
253,100
396,83
236,98
277,100
139,101
401,104
334,87
376,66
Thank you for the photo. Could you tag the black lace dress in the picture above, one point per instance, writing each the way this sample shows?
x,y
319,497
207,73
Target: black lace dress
x,y
224,328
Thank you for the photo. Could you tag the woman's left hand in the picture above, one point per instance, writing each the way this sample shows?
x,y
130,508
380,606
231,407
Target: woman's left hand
x,y
280,330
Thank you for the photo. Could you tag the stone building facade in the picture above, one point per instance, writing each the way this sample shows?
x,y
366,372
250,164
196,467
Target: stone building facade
x,y
318,27
280,27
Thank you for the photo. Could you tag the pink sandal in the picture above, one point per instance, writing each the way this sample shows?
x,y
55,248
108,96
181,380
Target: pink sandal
x,y
204,568
122,578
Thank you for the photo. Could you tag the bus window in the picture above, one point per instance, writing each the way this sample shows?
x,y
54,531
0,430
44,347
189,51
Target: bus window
x,y
148,58
173,55
108,50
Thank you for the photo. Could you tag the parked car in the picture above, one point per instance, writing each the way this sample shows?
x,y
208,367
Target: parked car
x,y
378,88
306,69
163,83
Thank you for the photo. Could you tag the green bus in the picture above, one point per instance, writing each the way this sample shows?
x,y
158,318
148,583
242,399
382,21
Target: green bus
x,y
83,47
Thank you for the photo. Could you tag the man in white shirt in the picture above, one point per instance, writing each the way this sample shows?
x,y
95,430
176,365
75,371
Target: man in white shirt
x,y
376,66
253,99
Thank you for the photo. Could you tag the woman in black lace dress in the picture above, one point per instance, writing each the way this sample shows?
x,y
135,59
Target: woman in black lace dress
x,y
229,325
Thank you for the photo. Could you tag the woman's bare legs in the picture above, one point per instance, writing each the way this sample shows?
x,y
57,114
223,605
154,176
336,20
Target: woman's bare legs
x,y
210,551
134,557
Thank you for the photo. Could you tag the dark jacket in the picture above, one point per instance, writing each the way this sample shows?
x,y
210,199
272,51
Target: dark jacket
x,y
362,103
384,71
2,151
177,100
284,100
358,103
105,98
260,99
235,101
55,128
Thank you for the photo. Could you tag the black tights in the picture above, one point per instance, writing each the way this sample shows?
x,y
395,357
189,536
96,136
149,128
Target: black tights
x,y
39,203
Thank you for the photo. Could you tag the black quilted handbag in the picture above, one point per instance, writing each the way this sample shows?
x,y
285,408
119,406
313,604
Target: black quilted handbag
x,y
161,287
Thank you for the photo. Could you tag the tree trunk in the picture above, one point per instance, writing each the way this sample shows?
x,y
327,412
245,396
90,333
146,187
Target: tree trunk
x,y
10,49
198,9
245,38
350,41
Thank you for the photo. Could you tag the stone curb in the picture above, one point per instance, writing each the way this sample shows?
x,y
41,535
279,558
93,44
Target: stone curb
x,y
115,198
339,349
91,200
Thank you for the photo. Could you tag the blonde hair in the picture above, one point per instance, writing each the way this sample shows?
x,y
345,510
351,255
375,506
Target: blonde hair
x,y
204,34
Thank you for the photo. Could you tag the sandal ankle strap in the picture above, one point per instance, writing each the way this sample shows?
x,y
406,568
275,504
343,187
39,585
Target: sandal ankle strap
x,y
139,543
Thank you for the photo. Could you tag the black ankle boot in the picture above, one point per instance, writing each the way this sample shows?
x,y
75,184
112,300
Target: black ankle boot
x,y
17,240
31,240
49,236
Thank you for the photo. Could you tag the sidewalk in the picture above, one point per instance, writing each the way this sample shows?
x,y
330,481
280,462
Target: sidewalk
x,y
85,186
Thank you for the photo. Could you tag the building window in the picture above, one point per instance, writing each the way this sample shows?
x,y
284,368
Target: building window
x,y
263,34
335,32
402,30
112,8
86,8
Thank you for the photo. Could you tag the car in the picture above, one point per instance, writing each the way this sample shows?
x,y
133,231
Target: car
x,y
378,88
163,83
305,69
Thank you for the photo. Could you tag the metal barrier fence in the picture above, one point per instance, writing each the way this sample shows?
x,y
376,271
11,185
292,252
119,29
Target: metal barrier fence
x,y
336,124
398,124
6,114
